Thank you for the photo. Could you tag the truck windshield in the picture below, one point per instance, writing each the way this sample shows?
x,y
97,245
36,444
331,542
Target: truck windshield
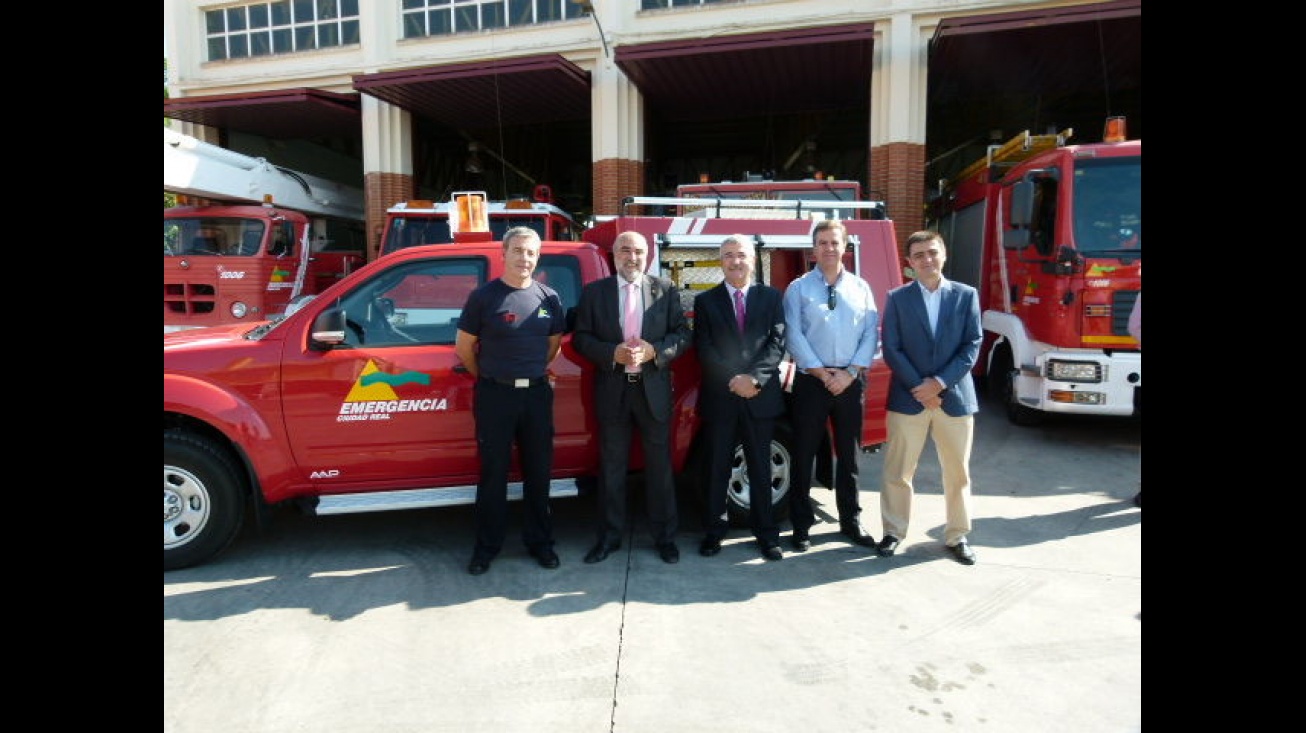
x,y
1108,205
211,235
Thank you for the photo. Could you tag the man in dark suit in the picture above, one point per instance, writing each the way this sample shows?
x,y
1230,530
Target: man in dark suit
x,y
931,337
632,326
739,332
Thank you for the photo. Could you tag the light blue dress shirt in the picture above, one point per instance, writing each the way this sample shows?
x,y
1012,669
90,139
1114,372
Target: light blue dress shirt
x,y
818,336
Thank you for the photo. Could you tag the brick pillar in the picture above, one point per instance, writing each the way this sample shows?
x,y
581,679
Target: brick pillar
x,y
897,177
381,191
615,179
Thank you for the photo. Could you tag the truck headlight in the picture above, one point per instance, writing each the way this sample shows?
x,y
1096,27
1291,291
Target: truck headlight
x,y
239,309
1074,371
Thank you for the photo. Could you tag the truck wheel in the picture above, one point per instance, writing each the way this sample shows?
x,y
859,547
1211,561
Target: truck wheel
x,y
203,500
1002,386
782,468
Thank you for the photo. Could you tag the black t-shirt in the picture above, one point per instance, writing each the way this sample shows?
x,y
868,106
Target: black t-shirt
x,y
514,326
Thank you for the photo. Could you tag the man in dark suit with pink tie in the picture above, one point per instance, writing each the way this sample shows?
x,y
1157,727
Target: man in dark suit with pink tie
x,y
739,333
632,326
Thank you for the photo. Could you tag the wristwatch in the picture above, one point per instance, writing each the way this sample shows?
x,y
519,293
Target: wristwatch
x,y
854,371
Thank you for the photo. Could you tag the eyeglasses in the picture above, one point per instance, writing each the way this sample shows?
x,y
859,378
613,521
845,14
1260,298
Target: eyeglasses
x,y
829,298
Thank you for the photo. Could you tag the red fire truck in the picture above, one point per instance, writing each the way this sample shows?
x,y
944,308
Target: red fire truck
x,y
262,237
267,236
1051,235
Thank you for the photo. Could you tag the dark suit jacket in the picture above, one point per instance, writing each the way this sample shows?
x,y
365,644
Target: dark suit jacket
x,y
598,334
913,354
723,353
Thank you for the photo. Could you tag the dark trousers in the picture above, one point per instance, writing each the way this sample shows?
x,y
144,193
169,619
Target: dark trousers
x,y
812,408
659,481
755,435
504,415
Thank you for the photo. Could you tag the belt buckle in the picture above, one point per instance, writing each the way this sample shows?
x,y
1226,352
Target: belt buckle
x,y
633,377
519,383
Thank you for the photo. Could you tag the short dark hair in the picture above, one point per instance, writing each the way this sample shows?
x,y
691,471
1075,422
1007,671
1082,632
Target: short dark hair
x,y
924,235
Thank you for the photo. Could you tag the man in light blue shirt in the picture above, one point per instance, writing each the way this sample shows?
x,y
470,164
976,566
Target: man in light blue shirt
x,y
831,333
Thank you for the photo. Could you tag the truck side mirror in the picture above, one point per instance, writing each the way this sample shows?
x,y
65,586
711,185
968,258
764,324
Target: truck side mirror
x,y
328,330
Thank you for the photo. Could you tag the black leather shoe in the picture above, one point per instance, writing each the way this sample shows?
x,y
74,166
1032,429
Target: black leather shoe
x,y
478,566
800,541
546,557
858,534
772,552
600,552
963,553
887,546
709,546
669,552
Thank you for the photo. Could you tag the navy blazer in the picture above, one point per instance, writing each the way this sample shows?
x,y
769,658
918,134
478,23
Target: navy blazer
x,y
723,352
913,353
598,334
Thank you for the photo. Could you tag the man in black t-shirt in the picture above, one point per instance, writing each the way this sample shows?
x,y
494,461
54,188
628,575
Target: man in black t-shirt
x,y
509,332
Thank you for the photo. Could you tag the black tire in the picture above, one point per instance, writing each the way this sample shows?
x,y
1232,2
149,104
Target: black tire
x,y
1002,387
203,500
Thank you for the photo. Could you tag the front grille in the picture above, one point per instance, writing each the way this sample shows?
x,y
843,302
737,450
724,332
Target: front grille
x,y
189,298
1122,303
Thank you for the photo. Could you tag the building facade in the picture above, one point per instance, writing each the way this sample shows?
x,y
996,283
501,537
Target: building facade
x,y
605,99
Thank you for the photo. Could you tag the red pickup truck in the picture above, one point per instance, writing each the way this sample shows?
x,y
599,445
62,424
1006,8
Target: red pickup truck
x,y
356,402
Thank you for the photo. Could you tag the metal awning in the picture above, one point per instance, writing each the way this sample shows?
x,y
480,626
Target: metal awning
x,y
796,70
481,94
281,113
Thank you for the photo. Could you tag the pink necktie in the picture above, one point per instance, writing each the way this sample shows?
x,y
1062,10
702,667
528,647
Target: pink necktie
x,y
739,309
633,318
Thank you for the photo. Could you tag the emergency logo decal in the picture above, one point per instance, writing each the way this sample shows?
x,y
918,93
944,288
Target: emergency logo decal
x,y
1100,270
280,279
373,396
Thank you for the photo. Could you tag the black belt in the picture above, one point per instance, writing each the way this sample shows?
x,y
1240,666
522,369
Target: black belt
x,y
842,369
519,383
634,377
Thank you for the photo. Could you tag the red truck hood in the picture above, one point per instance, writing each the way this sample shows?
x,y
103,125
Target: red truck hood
x,y
210,335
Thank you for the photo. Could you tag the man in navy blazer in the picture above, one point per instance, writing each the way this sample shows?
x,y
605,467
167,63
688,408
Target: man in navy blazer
x,y
931,338
632,388
740,396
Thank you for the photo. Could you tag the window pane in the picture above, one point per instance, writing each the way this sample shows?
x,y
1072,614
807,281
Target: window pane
x,y
546,10
304,40
239,46
213,21
303,11
327,9
438,22
413,26
349,8
328,35
217,49
281,13
235,19
281,42
349,32
519,12
258,16
260,44
492,15
465,18
414,4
